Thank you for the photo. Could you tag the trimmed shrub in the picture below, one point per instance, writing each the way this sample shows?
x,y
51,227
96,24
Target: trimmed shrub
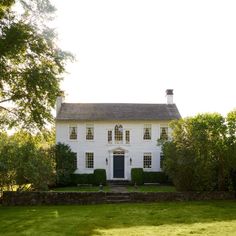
x,y
82,179
100,176
137,176
65,164
155,177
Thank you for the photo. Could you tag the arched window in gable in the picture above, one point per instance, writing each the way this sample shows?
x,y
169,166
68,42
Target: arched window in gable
x,y
118,133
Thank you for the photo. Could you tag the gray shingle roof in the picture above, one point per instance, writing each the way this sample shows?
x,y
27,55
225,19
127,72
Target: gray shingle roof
x,y
117,111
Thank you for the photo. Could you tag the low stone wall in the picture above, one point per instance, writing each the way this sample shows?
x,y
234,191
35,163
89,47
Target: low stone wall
x,y
180,196
81,198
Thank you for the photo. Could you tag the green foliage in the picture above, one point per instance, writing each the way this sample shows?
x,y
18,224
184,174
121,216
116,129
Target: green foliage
x,y
65,163
82,179
24,163
99,176
31,64
137,176
155,177
202,152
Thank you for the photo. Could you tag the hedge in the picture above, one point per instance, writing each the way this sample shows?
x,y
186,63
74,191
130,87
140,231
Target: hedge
x,y
155,177
82,179
137,176
99,176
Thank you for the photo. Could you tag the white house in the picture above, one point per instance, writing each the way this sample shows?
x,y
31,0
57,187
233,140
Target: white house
x,y
115,136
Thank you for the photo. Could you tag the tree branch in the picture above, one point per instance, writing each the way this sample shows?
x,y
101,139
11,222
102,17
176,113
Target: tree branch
x,y
6,100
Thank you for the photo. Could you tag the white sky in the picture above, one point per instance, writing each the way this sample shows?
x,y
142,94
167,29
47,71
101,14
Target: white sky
x,y
133,50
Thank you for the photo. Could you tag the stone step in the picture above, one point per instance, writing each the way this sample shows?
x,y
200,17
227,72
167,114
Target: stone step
x,y
118,201
118,182
118,198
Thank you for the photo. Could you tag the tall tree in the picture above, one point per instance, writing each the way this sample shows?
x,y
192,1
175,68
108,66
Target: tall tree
x,y
31,63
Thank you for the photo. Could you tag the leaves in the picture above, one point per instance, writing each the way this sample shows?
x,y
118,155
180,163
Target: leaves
x,y
202,152
31,66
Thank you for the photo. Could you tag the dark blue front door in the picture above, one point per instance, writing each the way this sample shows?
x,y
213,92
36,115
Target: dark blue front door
x,y
118,166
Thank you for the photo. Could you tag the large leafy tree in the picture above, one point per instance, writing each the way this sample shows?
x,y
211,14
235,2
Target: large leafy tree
x,y
202,153
31,64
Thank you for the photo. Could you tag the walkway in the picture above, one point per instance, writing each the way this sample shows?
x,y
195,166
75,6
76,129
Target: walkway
x,y
118,189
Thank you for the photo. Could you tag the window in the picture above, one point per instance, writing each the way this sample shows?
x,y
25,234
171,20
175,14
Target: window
x,y
147,160
89,132
73,132
161,160
164,133
109,136
147,132
89,162
118,133
75,161
127,137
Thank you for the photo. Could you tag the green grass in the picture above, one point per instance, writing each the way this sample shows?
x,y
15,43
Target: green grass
x,y
81,189
172,218
152,188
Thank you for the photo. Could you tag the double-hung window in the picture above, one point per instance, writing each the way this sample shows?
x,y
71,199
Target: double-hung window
x,y
89,132
127,137
147,160
147,132
72,132
89,160
164,133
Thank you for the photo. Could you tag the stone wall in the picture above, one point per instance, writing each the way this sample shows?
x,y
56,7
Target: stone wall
x,y
81,198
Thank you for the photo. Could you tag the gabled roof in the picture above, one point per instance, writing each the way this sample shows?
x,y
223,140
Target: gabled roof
x,y
116,111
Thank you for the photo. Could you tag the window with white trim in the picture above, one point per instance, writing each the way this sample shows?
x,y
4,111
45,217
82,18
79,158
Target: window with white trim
x,y
127,136
161,160
72,132
75,160
109,136
118,134
89,132
147,130
147,160
89,160
164,133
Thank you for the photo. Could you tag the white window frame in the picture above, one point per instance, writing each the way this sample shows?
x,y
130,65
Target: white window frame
x,y
127,142
112,138
167,132
87,162
89,126
147,126
145,165
69,134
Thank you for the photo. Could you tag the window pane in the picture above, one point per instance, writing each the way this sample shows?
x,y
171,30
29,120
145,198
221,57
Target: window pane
x,y
109,136
164,133
73,132
161,160
89,162
89,132
147,160
118,133
127,136
147,132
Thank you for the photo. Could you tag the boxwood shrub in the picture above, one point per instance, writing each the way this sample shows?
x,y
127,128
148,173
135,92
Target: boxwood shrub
x,y
155,177
137,176
82,179
99,176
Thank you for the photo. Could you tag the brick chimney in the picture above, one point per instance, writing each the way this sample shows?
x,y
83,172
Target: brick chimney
x,y
169,96
59,101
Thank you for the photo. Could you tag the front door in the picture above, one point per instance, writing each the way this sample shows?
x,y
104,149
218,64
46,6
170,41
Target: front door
x,y
118,166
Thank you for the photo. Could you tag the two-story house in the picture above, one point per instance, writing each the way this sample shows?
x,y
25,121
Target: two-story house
x,y
115,136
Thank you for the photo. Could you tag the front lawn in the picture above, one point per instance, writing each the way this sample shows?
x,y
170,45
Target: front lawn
x,y
152,188
80,189
172,218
